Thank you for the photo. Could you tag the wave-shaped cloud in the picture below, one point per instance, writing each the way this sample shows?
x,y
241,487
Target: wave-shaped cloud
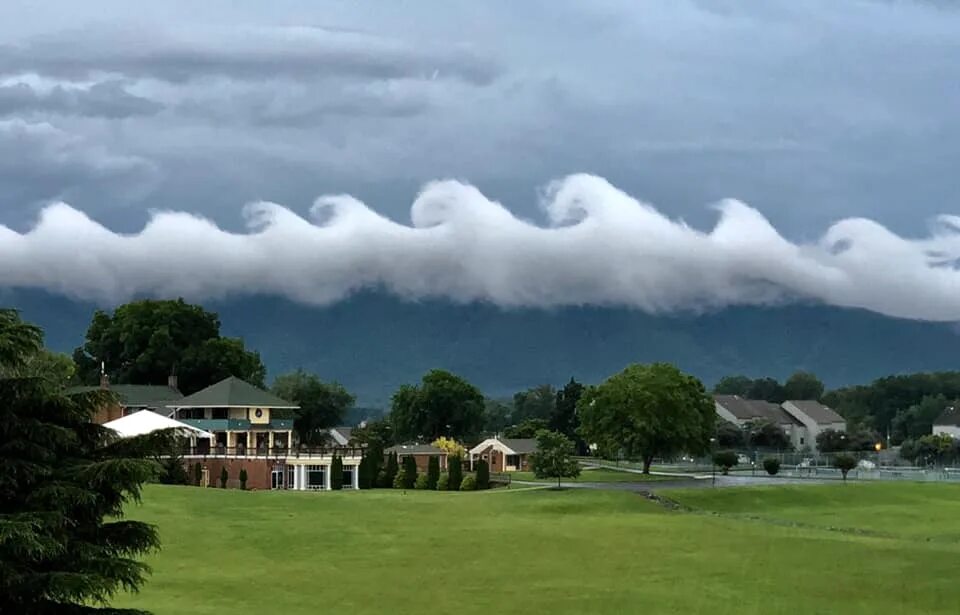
x,y
600,247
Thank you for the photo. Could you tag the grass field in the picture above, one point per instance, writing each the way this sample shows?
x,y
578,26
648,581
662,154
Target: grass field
x,y
595,475
764,551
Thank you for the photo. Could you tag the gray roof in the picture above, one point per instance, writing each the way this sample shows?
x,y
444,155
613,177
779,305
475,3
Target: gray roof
x,y
137,395
232,393
755,409
950,416
822,415
520,445
415,449
346,432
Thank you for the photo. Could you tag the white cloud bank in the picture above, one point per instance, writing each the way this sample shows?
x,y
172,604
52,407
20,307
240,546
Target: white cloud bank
x,y
600,247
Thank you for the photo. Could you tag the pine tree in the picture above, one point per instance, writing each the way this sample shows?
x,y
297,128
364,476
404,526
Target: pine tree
x,y
64,481
197,474
336,473
409,472
455,470
433,472
391,470
224,477
363,471
483,474
243,478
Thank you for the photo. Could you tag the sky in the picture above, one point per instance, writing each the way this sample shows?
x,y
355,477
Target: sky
x,y
830,123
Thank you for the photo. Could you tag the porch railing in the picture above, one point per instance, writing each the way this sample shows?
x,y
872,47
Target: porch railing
x,y
268,452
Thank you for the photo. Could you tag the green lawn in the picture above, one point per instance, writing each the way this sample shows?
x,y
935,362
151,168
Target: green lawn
x,y
599,475
543,551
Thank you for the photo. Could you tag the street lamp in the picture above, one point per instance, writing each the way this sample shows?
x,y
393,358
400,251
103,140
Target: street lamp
x,y
713,459
877,447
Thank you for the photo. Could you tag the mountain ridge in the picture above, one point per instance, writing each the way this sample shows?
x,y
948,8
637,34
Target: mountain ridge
x,y
373,342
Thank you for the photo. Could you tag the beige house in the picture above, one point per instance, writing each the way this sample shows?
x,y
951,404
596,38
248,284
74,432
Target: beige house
x,y
740,411
507,455
816,418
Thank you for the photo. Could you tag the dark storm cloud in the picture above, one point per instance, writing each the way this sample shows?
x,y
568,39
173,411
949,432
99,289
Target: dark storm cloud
x,y
106,99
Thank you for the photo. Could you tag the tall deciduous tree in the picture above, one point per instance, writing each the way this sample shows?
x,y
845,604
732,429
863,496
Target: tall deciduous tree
x,y
322,405
803,385
564,418
64,547
554,456
733,385
762,433
767,389
146,341
535,403
648,411
442,405
526,429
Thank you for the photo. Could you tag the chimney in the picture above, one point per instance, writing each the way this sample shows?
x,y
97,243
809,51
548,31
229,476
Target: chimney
x,y
104,379
172,381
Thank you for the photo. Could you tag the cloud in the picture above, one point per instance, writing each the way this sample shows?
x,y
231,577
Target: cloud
x,y
241,52
600,246
107,99
39,161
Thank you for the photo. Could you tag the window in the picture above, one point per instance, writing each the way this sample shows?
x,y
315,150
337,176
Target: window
x,y
801,441
316,477
513,460
347,477
220,413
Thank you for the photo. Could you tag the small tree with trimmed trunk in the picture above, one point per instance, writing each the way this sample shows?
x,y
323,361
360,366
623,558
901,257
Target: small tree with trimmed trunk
x,y
771,465
844,463
455,473
336,473
433,472
554,456
725,460
483,474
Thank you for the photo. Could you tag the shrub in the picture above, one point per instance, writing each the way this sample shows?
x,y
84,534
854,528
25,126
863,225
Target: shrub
x,y
443,483
725,459
336,473
243,478
483,475
383,480
433,472
409,472
422,482
771,465
469,483
172,471
454,473
223,477
400,480
197,474
844,463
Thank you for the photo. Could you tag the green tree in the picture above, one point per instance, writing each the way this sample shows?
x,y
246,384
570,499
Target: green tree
x,y
56,368
336,473
554,456
917,420
364,474
197,474
536,403
64,482
496,415
322,405
771,465
767,389
454,473
844,463
730,435
390,471
565,419
145,341
803,385
831,441
469,483
725,460
224,477
243,479
442,405
483,474
733,385
409,472
762,433
433,472
376,436
526,429
648,411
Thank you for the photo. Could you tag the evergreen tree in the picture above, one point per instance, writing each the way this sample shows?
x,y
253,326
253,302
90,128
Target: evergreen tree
x,y
64,481
455,470
433,472
224,476
483,474
336,473
197,473
409,472
243,478
364,478
390,471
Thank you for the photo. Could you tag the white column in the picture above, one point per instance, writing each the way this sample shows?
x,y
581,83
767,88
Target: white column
x,y
326,477
356,477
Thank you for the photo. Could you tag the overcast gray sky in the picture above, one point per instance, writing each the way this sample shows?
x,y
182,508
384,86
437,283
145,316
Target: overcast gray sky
x,y
809,111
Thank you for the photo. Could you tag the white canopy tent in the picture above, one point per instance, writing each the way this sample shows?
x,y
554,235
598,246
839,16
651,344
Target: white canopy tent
x,y
147,421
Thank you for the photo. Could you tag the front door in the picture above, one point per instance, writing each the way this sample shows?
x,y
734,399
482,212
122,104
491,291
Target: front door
x,y
276,479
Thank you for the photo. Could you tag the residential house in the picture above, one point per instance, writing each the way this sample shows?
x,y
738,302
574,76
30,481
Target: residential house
x,y
341,435
816,418
741,411
948,422
131,398
248,434
504,455
421,454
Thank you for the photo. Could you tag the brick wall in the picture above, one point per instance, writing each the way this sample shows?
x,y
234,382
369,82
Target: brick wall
x,y
258,471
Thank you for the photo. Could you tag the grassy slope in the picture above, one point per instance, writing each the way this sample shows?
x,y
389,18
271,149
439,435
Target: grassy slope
x,y
599,475
535,551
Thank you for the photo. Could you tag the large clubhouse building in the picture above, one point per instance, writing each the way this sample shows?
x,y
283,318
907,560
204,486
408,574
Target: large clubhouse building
x,y
236,426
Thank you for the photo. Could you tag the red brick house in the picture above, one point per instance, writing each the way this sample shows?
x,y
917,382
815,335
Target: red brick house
x,y
504,455
421,453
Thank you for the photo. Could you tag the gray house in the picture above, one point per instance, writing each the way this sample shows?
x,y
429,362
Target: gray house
x,y
815,416
740,411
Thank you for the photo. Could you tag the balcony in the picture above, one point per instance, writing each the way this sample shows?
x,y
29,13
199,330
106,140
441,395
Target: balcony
x,y
204,450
